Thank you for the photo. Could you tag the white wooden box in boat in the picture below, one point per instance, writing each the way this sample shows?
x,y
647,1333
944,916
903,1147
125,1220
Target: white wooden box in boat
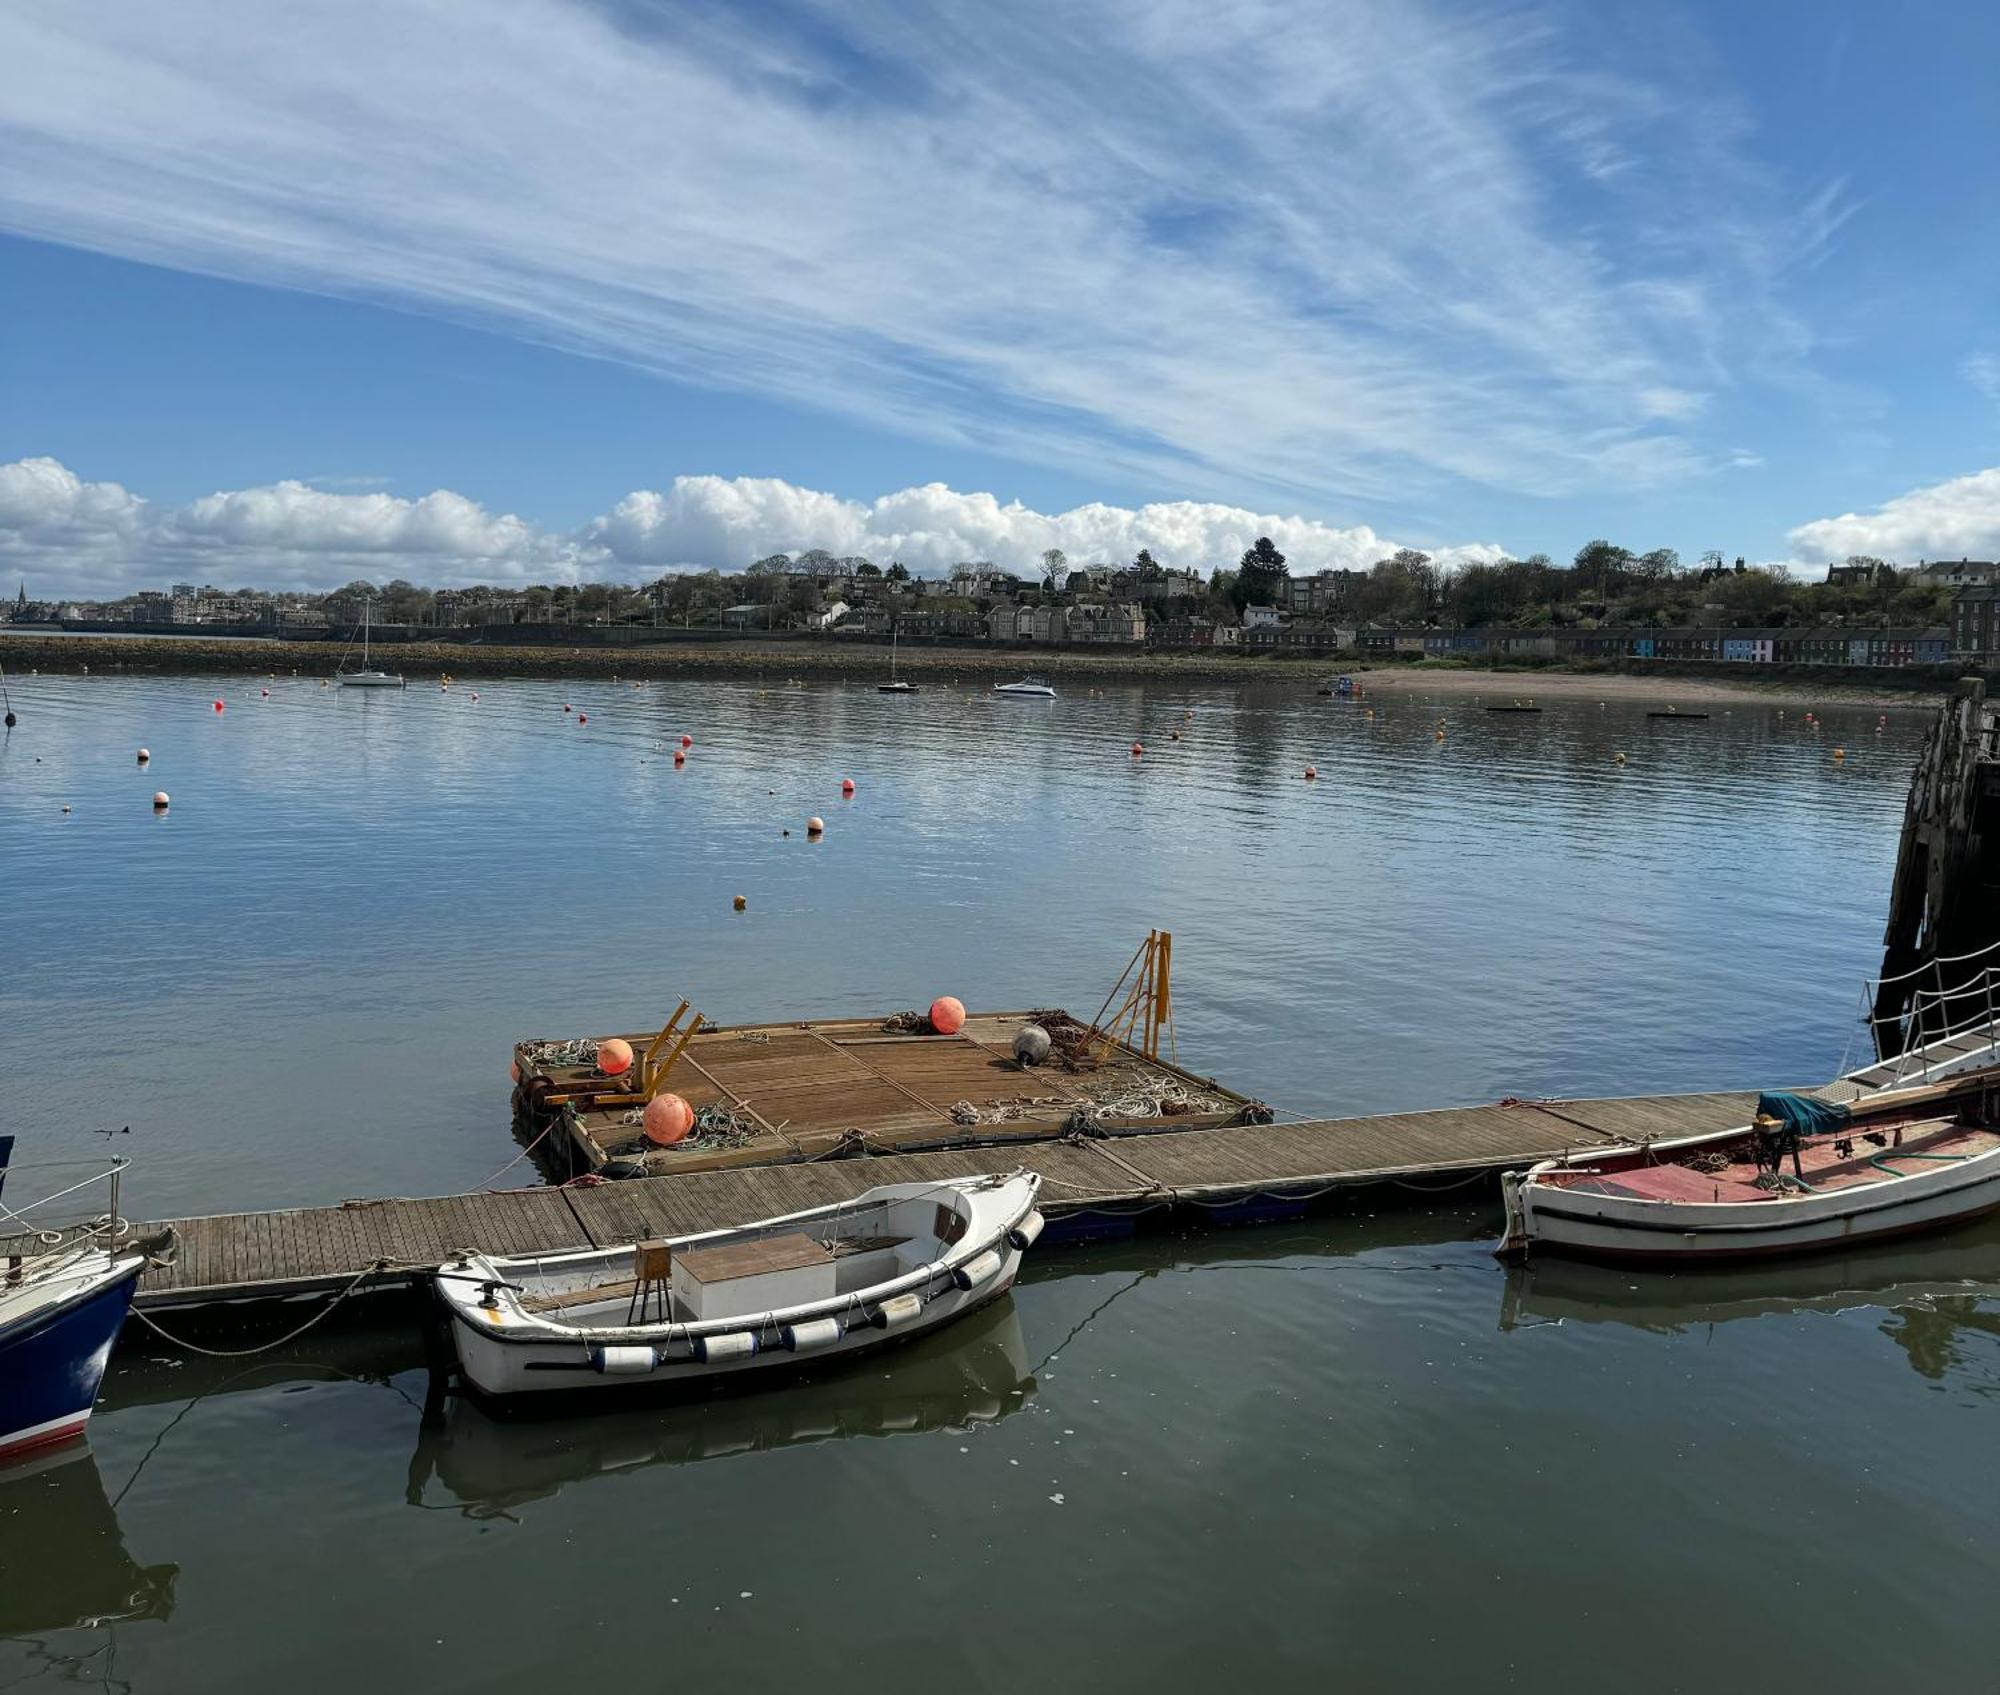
x,y
735,1279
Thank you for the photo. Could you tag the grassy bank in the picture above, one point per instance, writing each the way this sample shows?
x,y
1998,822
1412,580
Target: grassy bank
x,y
853,662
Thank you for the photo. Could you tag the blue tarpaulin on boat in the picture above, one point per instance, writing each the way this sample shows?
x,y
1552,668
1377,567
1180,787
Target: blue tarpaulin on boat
x,y
1801,1113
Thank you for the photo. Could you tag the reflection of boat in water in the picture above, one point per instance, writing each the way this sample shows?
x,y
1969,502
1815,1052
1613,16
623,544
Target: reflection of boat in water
x,y
66,1559
487,1457
1933,1290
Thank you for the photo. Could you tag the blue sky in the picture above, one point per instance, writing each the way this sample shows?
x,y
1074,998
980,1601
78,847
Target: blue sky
x,y
536,288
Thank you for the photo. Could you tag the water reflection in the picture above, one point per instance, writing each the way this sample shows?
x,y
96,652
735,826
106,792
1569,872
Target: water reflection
x,y
67,1565
488,1461
1940,1297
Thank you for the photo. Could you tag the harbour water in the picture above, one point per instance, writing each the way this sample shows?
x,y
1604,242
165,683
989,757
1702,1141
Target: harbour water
x,y
1350,1448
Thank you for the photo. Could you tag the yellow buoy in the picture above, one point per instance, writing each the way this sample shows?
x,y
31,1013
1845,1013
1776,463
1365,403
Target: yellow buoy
x,y
1839,754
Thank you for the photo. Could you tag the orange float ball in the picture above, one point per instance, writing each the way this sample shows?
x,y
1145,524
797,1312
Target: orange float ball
x,y
947,1015
679,757
614,1057
667,1120
1137,750
847,785
687,741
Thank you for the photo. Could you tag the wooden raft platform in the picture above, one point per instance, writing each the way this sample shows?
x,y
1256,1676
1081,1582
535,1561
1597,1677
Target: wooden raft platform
x,y
240,1256
807,1090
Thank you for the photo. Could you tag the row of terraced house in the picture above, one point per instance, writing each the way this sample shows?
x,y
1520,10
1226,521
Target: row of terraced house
x,y
1885,647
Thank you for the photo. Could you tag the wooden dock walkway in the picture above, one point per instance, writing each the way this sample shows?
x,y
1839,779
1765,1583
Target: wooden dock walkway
x,y
1087,1181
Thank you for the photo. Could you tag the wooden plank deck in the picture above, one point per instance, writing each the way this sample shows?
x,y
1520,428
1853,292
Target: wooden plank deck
x,y
239,1256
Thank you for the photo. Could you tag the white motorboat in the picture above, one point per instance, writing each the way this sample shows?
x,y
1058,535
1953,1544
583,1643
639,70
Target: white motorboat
x,y
896,1261
1806,1174
1028,688
368,677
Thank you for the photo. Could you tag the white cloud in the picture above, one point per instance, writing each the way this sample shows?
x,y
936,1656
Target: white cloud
x,y
931,528
80,540
86,540
1982,370
1959,519
1311,251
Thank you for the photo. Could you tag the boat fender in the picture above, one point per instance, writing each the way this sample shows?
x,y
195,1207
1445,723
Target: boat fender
x,y
734,1345
621,1170
977,1270
814,1333
897,1310
609,1360
1022,1237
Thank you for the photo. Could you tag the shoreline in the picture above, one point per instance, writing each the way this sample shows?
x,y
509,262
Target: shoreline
x,y
856,662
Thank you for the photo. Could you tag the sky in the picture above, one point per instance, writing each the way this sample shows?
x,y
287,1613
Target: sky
x,y
524,290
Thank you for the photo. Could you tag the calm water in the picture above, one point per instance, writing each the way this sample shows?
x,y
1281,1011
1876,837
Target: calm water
x,y
1351,1448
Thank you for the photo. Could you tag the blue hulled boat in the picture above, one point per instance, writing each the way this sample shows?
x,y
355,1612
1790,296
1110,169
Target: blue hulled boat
x,y
58,1318
63,1298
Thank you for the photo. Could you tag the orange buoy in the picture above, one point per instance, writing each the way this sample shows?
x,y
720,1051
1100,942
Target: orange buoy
x,y
667,1120
687,741
947,1015
740,903
583,717
1137,750
144,756
815,826
614,1056
679,757
847,785
160,801
1312,773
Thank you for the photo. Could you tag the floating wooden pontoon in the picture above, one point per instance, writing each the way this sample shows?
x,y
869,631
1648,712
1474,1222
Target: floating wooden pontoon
x,y
820,1089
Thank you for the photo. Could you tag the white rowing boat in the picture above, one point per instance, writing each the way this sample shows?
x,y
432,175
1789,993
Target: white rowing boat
x,y
1805,1175
896,1261
1028,688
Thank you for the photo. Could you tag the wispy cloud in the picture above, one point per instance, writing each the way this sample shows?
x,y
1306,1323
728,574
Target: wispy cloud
x,y
1323,252
78,539
1982,370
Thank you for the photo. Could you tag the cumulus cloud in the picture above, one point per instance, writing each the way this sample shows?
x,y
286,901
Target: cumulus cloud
x,y
1316,252
932,527
1959,519
91,540
83,540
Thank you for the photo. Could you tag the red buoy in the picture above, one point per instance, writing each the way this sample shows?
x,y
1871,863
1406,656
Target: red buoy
x,y
218,706
679,757
947,1015
847,785
667,1120
583,717
1137,750
687,741
614,1056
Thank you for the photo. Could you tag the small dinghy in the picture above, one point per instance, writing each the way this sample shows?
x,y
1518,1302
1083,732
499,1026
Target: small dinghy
x,y
896,1261
1805,1174
1028,688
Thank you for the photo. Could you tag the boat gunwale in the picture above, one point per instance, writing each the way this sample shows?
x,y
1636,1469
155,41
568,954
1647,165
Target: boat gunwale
x,y
524,1327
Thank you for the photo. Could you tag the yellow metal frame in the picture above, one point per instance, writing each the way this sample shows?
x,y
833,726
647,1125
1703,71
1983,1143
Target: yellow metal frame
x,y
653,1076
1148,1006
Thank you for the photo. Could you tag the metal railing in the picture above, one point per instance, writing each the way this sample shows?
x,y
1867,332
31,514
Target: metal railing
x,y
1931,1013
104,1227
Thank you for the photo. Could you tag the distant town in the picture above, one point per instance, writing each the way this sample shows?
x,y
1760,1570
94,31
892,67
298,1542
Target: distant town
x,y
1608,602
